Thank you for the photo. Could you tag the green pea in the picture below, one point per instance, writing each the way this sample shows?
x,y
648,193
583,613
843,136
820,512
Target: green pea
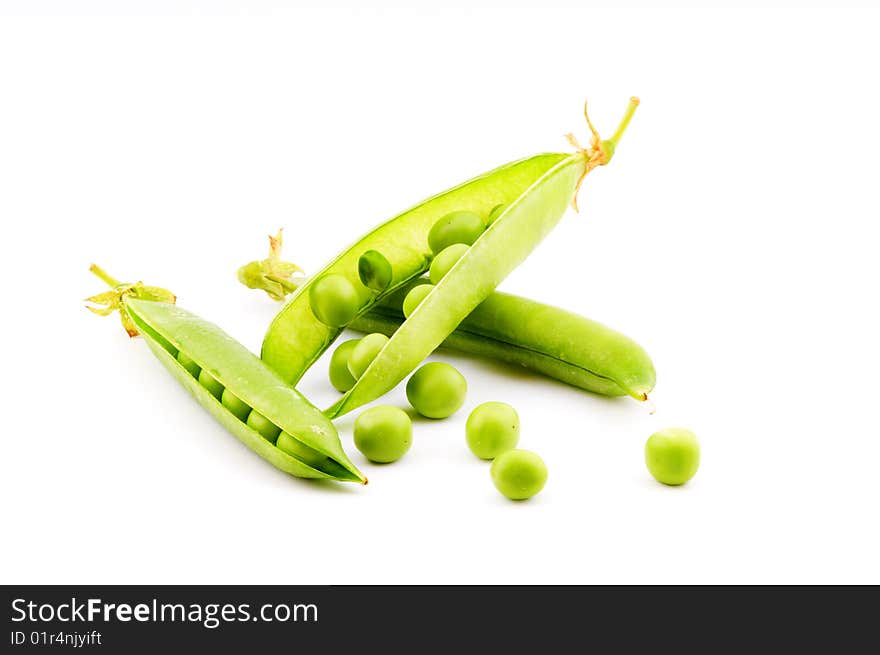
x,y
334,300
672,455
374,270
296,448
365,352
266,428
383,433
491,429
340,377
456,227
415,297
436,390
519,474
211,383
497,210
187,363
236,405
445,260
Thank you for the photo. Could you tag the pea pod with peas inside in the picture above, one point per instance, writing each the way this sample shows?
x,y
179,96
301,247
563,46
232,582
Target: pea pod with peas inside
x,y
534,193
234,385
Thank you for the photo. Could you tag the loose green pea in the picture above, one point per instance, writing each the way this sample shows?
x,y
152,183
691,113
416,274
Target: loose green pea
x,y
340,377
436,390
456,227
298,449
264,426
445,260
365,352
187,363
415,297
334,300
672,455
236,405
491,429
211,383
497,210
519,474
383,433
374,270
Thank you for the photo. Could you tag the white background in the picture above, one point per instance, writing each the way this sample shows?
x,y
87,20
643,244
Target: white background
x,y
735,236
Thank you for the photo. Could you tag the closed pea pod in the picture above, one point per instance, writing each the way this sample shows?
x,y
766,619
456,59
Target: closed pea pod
x,y
535,191
244,380
539,337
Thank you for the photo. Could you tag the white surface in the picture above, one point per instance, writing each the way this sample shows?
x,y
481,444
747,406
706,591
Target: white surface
x,y
735,235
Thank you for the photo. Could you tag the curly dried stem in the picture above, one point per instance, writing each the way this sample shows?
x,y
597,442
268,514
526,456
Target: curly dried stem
x,y
599,152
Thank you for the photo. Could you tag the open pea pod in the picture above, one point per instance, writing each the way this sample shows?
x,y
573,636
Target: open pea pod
x,y
530,214
497,252
296,338
533,192
169,330
234,385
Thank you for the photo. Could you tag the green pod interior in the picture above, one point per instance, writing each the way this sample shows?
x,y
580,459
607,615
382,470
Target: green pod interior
x,y
169,329
296,338
530,215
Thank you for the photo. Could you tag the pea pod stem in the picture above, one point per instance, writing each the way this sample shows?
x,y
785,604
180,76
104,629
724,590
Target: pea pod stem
x,y
104,276
624,123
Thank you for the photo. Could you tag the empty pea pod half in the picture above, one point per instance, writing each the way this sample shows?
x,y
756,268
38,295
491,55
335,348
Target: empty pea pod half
x,y
234,385
533,193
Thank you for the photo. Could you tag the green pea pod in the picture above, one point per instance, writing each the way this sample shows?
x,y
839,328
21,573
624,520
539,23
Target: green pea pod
x,y
178,337
534,192
538,337
296,338
529,216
